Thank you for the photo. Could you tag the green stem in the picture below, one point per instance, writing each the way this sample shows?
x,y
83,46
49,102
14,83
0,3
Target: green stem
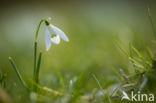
x,y
38,27
38,68
35,57
35,53
18,74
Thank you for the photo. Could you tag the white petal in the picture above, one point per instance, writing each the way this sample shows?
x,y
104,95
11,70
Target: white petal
x,y
47,39
51,30
58,32
56,39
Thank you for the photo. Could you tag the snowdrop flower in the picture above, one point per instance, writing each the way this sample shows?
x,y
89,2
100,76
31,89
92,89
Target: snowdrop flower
x,y
53,35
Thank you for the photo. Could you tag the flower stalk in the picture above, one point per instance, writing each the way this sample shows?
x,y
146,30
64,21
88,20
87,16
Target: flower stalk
x,y
37,63
37,66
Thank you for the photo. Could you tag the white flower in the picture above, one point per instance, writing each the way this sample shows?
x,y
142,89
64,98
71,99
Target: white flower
x,y
53,35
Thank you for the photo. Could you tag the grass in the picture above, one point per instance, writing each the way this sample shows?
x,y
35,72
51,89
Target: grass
x,y
139,78
73,91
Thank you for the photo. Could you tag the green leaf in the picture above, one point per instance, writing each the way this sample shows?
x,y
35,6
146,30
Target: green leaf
x,y
38,67
18,73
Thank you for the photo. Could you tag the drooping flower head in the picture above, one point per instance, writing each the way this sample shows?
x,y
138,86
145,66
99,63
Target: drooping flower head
x,y
53,35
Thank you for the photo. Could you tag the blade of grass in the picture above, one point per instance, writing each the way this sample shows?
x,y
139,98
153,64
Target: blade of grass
x,y
97,81
136,63
100,86
18,74
146,63
138,53
120,47
124,76
117,74
145,47
114,91
61,77
151,21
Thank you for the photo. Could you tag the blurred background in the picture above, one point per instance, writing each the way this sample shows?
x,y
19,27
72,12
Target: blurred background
x,y
90,27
